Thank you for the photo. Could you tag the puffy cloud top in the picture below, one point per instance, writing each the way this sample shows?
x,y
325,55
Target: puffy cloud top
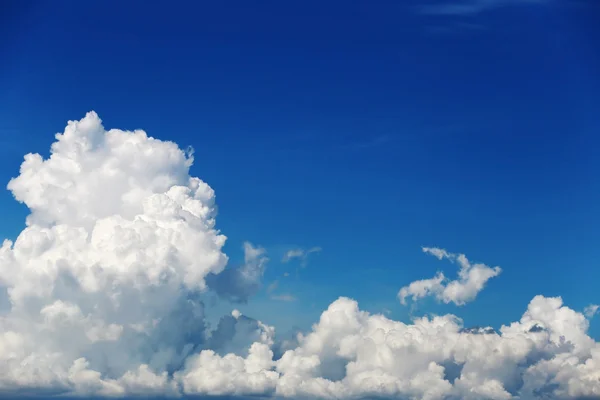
x,y
119,239
472,278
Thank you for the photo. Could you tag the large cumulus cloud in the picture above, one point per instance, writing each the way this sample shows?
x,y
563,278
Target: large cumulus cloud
x,y
103,292
353,354
117,246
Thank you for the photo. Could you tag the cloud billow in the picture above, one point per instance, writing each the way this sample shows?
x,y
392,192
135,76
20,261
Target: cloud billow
x,y
104,299
472,279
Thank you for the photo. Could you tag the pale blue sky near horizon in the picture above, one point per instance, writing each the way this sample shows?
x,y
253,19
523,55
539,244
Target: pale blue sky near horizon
x,y
366,130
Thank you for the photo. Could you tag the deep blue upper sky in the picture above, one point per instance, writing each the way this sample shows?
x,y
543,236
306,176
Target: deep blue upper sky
x,y
366,128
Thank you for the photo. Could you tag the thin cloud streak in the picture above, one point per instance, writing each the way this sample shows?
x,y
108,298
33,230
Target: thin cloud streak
x,y
471,7
284,297
299,254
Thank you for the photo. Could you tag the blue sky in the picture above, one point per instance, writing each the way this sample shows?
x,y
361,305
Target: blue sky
x,y
366,130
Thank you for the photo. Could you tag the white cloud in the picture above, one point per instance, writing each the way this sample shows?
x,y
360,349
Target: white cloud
x,y
436,252
472,278
104,286
591,310
104,279
299,254
291,254
353,354
209,374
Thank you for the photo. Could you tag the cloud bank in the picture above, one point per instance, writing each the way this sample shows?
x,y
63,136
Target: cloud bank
x,y
239,284
104,299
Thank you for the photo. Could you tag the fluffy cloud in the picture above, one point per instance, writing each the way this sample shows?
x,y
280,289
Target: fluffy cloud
x,y
104,289
471,280
353,354
103,282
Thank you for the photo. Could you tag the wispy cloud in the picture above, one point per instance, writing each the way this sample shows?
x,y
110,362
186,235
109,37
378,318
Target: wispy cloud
x,y
299,254
591,310
470,7
283,297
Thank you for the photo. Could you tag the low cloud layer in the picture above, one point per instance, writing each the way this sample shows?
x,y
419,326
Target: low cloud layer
x,y
103,298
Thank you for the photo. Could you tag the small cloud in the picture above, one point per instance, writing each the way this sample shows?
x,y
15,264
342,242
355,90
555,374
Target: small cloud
x,y
470,7
291,254
472,278
300,254
591,310
434,251
284,297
